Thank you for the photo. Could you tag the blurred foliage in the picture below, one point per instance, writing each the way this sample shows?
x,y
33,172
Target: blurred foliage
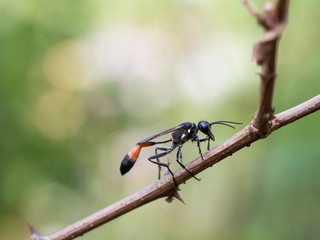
x,y
82,81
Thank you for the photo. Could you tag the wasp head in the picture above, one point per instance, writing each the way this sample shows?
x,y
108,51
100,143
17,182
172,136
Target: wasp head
x,y
205,127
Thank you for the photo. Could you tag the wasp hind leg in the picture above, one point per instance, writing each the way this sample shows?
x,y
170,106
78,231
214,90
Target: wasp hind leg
x,y
166,149
161,164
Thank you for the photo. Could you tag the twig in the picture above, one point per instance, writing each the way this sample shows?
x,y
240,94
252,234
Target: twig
x,y
165,186
273,21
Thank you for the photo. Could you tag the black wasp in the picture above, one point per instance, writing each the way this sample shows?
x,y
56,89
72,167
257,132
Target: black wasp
x,y
180,134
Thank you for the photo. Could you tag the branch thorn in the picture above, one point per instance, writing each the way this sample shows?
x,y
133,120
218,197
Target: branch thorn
x,y
174,193
35,235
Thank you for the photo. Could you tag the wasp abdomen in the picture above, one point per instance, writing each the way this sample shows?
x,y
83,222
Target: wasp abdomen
x,y
126,165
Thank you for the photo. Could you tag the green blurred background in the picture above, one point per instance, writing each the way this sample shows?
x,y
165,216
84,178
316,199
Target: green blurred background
x,y
82,81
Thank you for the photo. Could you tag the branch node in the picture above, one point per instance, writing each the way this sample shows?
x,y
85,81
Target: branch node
x,y
268,76
273,20
263,19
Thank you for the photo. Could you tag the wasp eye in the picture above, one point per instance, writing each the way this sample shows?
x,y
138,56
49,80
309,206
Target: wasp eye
x,y
204,126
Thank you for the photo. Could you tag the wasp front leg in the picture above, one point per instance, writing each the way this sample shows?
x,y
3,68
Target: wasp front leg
x,y
199,147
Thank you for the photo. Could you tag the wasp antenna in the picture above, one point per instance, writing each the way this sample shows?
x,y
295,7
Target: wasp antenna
x,y
225,123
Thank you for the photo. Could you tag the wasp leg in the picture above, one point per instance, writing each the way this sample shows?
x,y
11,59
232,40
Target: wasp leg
x,y
208,147
179,156
198,144
158,160
159,155
163,149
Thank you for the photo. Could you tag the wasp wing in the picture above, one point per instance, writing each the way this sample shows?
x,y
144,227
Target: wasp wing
x,y
160,134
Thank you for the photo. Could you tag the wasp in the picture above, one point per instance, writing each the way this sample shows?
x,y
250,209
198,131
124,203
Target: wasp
x,y
180,134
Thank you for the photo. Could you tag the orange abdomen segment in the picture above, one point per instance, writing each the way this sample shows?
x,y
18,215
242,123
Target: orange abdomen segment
x,y
129,160
134,153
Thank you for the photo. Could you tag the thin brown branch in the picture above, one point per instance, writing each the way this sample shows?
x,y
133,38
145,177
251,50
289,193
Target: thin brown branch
x,y
296,113
281,11
260,18
273,21
165,186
